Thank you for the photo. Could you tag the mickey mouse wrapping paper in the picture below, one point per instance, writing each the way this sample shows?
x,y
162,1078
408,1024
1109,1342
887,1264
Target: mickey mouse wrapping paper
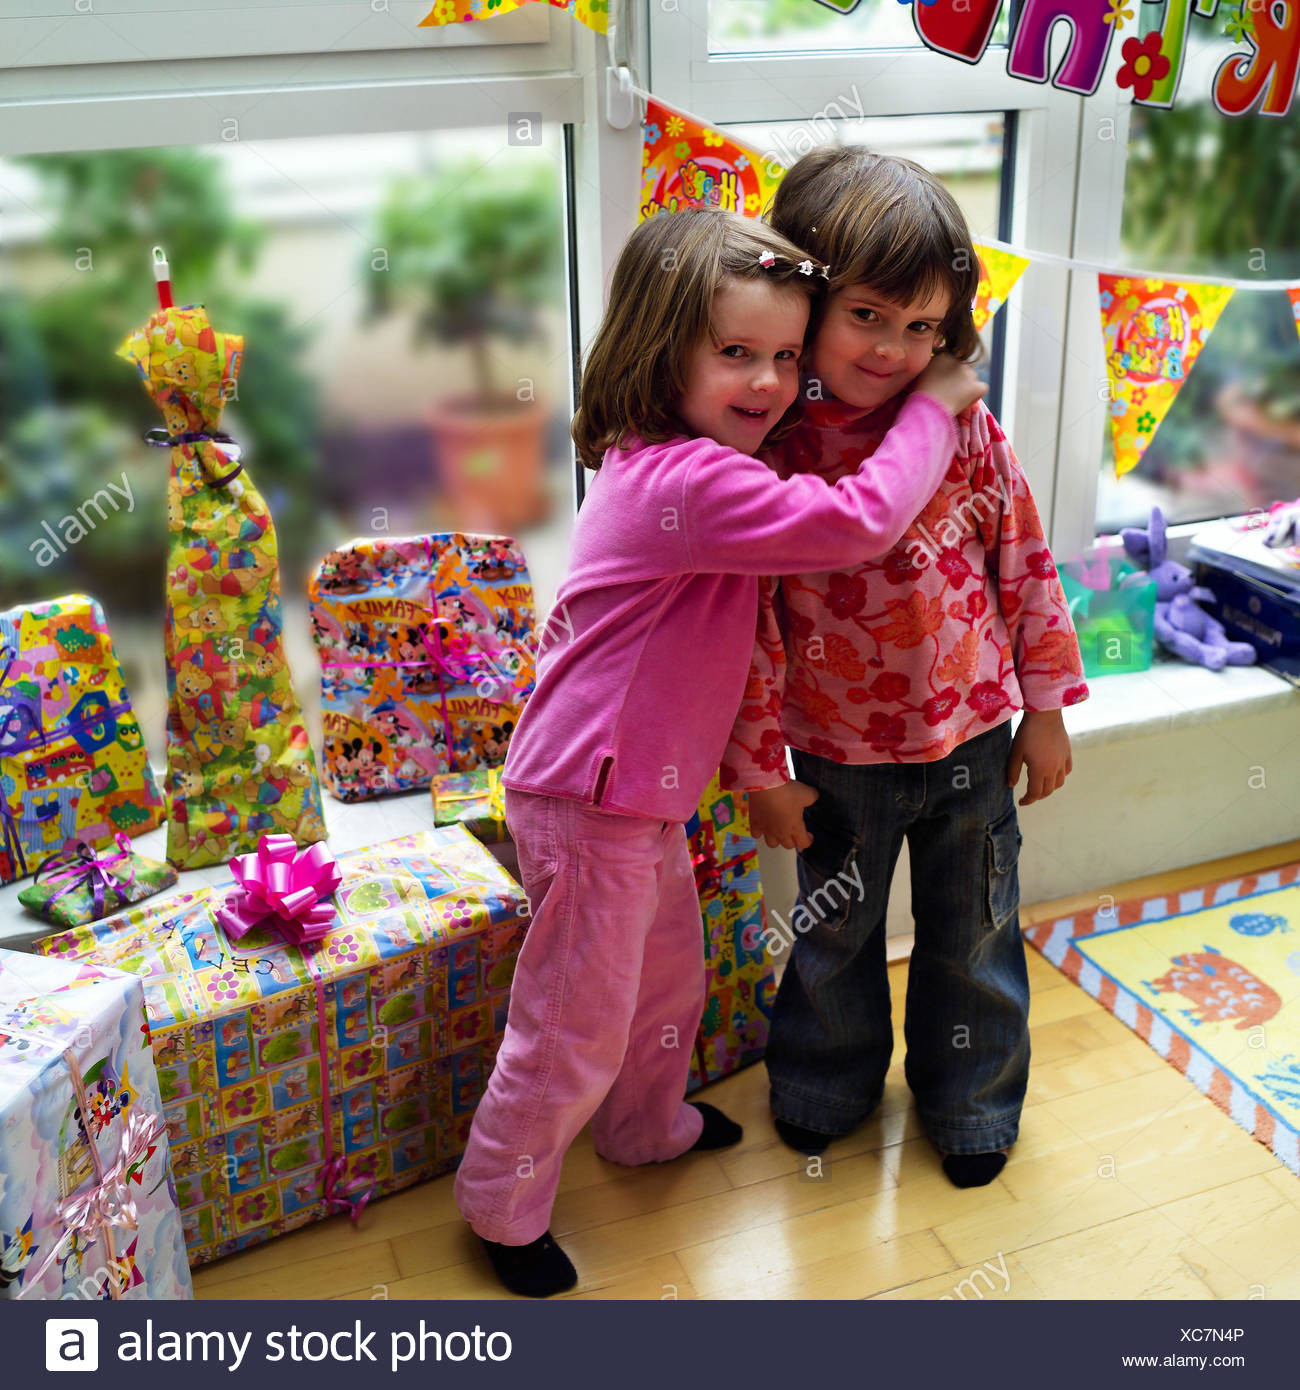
x,y
427,652
239,760
73,763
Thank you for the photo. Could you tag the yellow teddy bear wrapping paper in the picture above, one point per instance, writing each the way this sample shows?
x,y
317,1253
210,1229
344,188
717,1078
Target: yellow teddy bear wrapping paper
x,y
239,760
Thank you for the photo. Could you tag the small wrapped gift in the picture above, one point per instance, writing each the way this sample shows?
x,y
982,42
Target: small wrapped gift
x,y
78,885
474,799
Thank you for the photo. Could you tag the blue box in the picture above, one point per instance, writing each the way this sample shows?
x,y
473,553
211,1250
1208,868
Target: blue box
x,y
1257,612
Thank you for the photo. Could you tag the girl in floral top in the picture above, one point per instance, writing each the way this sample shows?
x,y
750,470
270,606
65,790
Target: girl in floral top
x,y
894,683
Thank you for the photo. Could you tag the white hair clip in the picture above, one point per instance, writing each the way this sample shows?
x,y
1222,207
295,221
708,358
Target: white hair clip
x,y
767,260
826,272
805,267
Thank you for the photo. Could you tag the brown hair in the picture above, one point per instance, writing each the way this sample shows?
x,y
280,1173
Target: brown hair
x,y
888,223
660,308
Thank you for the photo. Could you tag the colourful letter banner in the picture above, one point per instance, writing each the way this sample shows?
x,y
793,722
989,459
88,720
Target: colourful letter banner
x,y
1154,332
688,165
999,271
593,13
1293,295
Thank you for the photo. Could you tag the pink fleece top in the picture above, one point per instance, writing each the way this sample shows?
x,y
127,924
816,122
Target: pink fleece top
x,y
903,656
643,661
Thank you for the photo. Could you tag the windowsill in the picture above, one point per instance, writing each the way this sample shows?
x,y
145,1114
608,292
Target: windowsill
x,y
1173,694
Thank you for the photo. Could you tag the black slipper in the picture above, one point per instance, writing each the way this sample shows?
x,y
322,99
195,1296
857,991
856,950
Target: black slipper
x,y
718,1132
973,1170
536,1270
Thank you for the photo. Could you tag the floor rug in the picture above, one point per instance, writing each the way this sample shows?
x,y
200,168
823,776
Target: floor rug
x,y
1210,978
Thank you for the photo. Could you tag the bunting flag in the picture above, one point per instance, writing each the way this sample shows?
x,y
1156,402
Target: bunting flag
x,y
1154,331
688,165
1293,294
593,13
999,271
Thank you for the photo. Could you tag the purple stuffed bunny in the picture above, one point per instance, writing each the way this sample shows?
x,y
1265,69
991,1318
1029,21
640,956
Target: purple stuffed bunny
x,y
1185,629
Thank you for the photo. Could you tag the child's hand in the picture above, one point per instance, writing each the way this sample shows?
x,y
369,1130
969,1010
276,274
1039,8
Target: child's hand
x,y
1042,746
777,815
951,382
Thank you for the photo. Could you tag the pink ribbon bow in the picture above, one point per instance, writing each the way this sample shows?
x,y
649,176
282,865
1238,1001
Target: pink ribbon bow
x,y
108,1202
284,888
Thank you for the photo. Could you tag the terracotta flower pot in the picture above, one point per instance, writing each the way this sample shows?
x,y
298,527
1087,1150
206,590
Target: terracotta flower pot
x,y
1268,448
490,459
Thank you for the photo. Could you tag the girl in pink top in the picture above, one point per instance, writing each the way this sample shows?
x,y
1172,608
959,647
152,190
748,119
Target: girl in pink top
x,y
894,679
641,670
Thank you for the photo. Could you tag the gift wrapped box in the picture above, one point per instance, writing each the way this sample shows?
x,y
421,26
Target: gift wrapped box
x,y
475,800
741,981
87,1202
427,654
298,1082
79,887
73,763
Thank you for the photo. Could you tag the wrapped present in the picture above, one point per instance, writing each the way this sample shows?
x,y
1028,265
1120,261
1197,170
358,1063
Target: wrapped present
x,y
427,652
476,800
741,980
73,765
80,885
239,761
299,1081
87,1201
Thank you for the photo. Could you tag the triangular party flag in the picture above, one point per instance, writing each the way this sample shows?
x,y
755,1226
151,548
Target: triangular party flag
x,y
593,13
999,271
688,165
1154,332
1293,294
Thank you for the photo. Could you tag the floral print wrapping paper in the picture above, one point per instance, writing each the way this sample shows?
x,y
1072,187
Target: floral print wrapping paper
x,y
54,1014
73,764
414,983
383,613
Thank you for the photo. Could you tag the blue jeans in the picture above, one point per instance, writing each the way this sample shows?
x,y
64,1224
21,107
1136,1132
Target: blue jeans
x,y
967,1018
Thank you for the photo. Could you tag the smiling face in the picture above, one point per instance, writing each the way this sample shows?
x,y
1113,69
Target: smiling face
x,y
740,383
869,348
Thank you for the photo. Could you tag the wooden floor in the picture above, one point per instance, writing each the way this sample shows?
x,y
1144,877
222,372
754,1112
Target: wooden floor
x,y
1126,1183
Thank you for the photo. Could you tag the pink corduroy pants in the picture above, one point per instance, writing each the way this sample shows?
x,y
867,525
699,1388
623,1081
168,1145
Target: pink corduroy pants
x,y
606,1000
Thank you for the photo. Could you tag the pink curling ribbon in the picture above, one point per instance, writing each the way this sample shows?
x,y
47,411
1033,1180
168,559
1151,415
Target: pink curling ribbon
x,y
83,870
284,888
107,1203
339,1195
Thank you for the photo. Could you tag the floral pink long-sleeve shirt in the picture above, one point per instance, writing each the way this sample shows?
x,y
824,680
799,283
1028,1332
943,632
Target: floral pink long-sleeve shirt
x,y
903,658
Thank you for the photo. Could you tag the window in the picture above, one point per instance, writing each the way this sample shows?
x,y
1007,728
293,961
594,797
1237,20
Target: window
x,y
1206,194
311,246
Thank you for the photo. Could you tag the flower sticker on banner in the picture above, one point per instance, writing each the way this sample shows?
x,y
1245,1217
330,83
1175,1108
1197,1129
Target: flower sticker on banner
x,y
688,165
593,13
1154,331
999,271
1293,294
1144,65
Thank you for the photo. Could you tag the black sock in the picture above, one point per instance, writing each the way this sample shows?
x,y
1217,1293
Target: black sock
x,y
973,1170
805,1141
536,1270
718,1132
